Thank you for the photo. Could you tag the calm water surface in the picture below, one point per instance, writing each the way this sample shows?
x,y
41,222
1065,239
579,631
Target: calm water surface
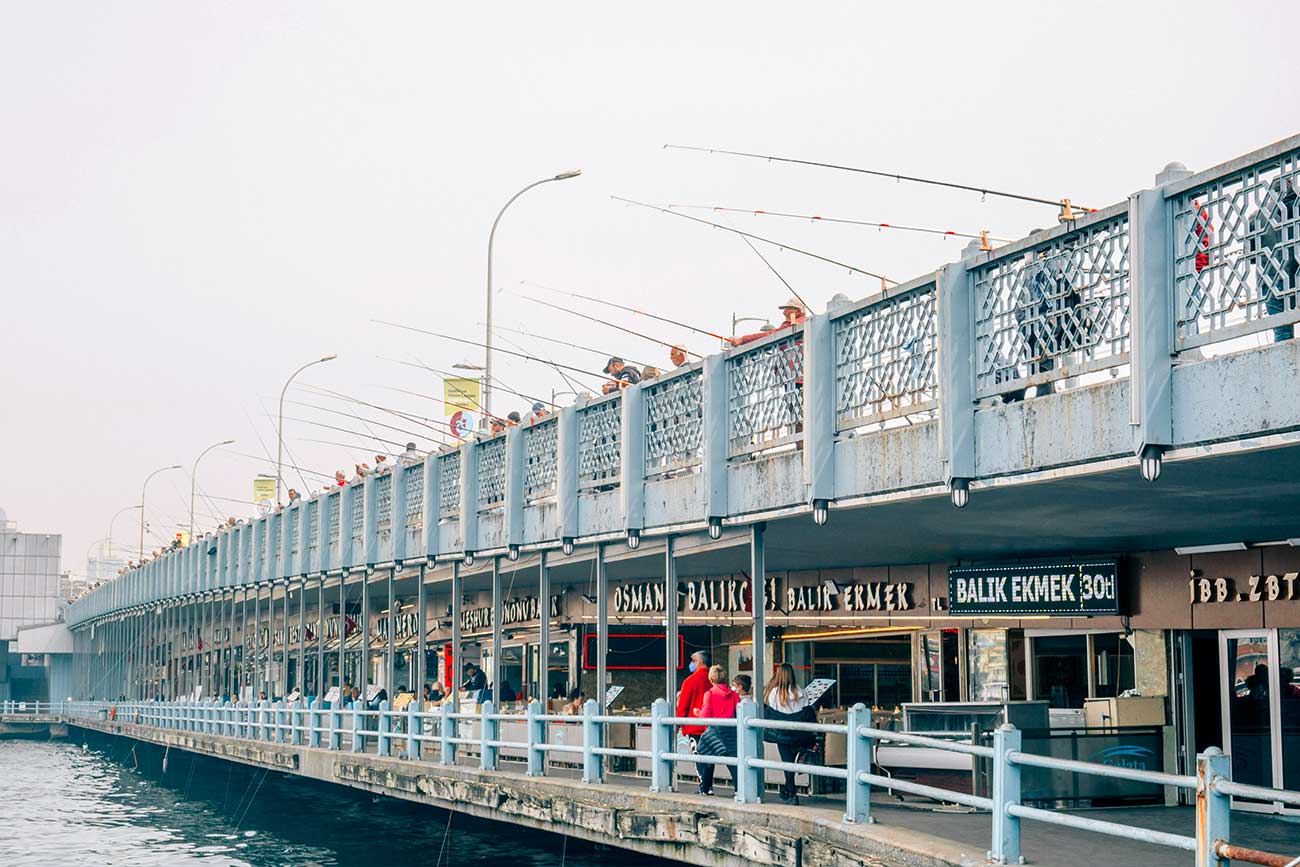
x,y
65,805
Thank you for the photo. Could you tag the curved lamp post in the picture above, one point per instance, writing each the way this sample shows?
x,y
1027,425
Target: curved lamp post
x,y
487,364
144,488
279,427
194,481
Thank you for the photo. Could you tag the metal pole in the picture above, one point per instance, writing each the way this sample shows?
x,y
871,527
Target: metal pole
x,y
343,629
487,364
758,602
301,680
602,627
284,643
670,622
321,685
496,631
457,661
543,631
194,479
364,676
144,488
390,669
419,675
279,427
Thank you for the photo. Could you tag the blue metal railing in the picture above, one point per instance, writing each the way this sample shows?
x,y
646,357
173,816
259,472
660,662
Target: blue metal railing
x,y
314,724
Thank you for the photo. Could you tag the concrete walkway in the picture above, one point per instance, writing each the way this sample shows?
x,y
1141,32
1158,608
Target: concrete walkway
x,y
912,833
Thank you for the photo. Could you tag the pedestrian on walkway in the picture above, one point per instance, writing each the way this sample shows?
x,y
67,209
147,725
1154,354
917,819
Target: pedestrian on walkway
x,y
720,702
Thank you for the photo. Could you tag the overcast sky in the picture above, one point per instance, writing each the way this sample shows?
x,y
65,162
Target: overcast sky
x,y
196,198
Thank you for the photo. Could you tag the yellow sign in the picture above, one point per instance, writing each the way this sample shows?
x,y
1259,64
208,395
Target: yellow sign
x,y
264,495
183,538
459,393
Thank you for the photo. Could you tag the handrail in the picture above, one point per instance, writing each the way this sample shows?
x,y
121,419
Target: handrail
x,y
311,723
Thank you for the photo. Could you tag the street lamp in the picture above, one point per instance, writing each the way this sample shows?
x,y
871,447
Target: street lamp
x,y
194,482
487,364
279,428
113,519
144,488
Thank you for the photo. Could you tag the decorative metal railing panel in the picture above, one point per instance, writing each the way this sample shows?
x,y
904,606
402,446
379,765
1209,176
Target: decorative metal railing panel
x,y
291,528
358,514
384,501
311,514
1237,254
600,443
1058,309
765,395
885,359
541,458
336,519
674,423
449,483
491,457
415,495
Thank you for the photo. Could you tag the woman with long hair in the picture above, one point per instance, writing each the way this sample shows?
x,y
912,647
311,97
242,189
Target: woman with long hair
x,y
784,700
720,702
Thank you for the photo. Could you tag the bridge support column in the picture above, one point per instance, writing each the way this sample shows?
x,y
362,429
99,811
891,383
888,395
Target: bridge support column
x,y
632,463
819,414
956,354
716,443
1151,350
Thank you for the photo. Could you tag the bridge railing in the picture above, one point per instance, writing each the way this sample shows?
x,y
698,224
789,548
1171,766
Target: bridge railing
x,y
600,442
674,423
765,394
1054,309
357,729
1236,250
886,357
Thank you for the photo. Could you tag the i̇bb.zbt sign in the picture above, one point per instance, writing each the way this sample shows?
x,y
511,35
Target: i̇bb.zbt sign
x,y
1065,588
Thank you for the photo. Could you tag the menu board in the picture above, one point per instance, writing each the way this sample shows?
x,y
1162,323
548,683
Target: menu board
x,y
333,695
403,699
817,688
612,693
372,692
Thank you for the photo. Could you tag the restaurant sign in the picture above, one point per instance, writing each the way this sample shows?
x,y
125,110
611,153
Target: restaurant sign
x,y
1068,588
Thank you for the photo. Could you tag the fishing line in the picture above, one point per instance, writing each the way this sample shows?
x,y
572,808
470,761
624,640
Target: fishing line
x,y
817,218
778,244
484,346
772,268
623,307
602,322
1064,204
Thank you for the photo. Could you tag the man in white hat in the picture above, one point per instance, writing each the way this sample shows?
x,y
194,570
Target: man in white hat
x,y
792,312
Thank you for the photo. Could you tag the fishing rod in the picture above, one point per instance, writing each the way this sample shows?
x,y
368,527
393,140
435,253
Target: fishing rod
x,y
484,346
624,307
599,352
495,382
604,322
422,421
779,244
817,218
772,268
345,430
359,418
1067,208
346,446
568,380
444,375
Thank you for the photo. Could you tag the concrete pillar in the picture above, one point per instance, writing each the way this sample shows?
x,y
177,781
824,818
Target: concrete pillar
x,y
670,621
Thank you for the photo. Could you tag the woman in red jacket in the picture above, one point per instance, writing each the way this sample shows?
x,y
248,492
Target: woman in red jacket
x,y
691,699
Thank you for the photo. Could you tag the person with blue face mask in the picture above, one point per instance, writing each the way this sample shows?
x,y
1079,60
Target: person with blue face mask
x,y
691,698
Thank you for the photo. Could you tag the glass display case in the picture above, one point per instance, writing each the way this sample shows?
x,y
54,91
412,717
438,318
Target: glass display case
x,y
955,716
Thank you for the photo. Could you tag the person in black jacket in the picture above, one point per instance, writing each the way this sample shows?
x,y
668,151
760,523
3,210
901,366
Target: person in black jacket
x,y
784,700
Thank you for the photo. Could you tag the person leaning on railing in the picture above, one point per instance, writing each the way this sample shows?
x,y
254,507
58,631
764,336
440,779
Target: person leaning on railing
x,y
784,700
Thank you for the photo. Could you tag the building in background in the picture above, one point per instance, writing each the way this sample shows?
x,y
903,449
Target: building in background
x,y
29,595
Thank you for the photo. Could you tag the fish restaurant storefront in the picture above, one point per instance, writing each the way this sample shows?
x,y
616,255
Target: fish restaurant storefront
x,y
1143,659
